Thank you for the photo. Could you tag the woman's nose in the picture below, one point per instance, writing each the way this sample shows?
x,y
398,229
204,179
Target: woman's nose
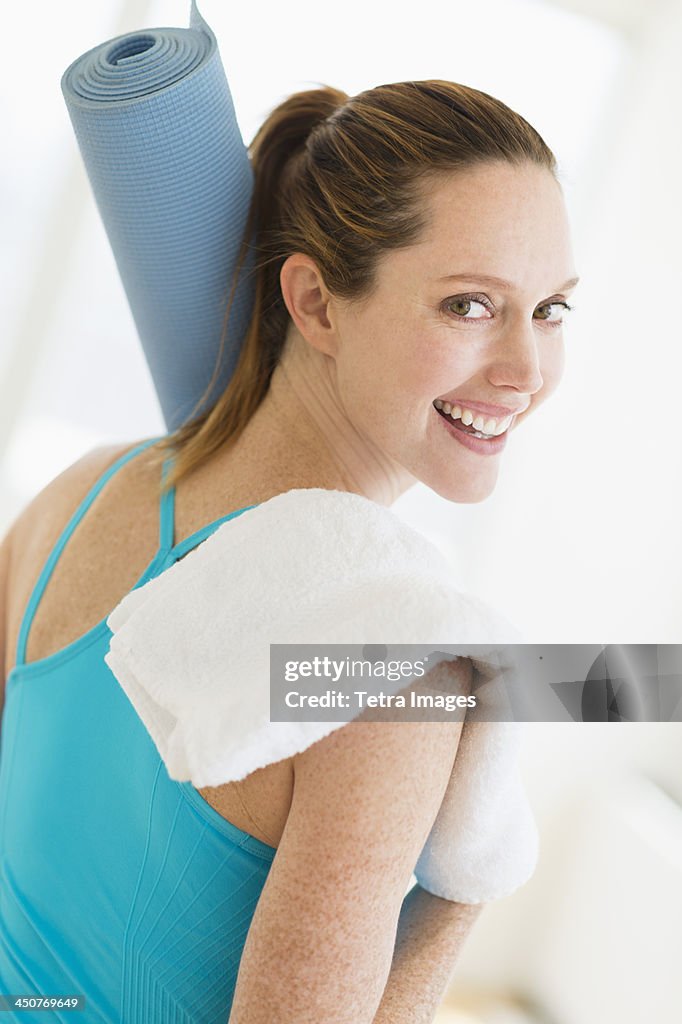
x,y
517,358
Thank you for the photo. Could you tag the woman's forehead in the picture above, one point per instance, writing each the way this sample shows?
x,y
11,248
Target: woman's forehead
x,y
503,223
479,198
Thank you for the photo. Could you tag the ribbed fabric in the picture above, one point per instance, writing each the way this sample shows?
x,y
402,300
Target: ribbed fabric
x,y
116,882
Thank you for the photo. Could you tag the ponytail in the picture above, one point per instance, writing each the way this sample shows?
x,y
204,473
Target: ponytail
x,y
280,138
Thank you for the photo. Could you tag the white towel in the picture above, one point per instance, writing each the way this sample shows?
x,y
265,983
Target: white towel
x,y
191,649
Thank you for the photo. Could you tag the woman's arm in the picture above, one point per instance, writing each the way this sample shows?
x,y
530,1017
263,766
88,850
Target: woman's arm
x,y
431,933
323,935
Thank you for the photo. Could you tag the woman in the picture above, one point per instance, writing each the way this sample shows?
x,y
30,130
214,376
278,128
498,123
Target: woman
x,y
414,263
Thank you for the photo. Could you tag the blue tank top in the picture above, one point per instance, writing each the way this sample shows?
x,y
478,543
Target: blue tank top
x,y
117,883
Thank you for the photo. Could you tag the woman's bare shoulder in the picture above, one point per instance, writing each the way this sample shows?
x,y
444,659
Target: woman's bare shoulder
x,y
36,527
63,493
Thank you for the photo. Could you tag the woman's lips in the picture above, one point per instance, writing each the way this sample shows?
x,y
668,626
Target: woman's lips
x,y
498,411
475,444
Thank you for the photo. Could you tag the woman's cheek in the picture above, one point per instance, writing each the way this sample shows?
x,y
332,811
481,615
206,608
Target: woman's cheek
x,y
554,369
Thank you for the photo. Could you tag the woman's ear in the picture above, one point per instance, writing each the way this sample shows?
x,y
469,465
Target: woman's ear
x,y
307,300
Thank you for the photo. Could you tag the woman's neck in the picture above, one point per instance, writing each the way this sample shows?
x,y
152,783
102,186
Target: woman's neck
x,y
299,437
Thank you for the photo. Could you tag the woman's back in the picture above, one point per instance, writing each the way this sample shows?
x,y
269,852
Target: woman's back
x,y
104,558
146,897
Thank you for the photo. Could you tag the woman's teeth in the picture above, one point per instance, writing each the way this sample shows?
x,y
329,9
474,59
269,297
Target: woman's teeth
x,y
483,426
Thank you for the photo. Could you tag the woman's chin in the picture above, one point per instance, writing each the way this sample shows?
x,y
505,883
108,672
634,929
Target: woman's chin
x,y
467,491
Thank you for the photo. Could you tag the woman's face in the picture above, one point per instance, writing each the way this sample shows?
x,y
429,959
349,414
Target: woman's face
x,y
439,336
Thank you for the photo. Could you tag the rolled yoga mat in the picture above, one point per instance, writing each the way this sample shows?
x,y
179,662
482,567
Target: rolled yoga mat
x,y
156,127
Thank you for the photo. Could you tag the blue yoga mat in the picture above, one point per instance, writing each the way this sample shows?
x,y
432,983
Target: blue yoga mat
x,y
156,127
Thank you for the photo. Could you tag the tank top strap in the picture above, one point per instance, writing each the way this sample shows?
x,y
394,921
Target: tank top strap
x,y
166,511
62,541
196,538
172,553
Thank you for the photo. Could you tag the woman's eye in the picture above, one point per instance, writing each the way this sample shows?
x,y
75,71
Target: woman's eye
x,y
548,306
461,306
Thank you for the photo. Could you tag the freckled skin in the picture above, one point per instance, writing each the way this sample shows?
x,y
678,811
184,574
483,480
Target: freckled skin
x,y
322,938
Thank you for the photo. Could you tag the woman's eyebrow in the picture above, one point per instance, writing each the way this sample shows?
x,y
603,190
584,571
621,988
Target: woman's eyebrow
x,y
500,282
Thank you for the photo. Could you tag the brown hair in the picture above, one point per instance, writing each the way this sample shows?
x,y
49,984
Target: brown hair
x,y
337,178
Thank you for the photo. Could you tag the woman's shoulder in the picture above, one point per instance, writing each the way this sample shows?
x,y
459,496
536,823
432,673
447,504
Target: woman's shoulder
x,y
32,534
61,496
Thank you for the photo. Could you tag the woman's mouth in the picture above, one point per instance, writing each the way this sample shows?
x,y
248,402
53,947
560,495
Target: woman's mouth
x,y
471,436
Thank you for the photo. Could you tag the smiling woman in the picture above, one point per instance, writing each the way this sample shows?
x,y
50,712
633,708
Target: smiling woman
x,y
474,185
280,894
